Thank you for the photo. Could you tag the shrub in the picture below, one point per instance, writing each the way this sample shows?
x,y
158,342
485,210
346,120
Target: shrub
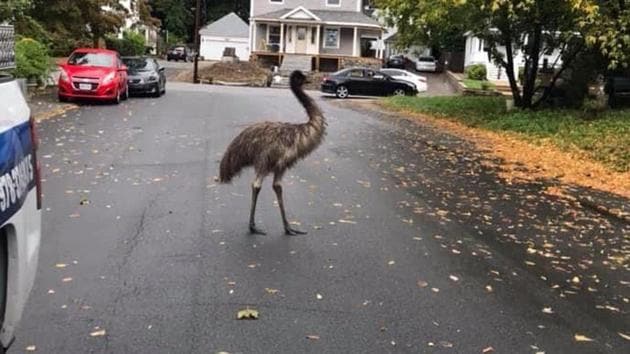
x,y
131,44
476,72
32,60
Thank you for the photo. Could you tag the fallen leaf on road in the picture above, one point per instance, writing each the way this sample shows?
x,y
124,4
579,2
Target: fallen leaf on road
x,y
624,336
312,337
60,265
582,338
489,288
487,350
445,344
51,291
84,201
422,284
347,221
66,280
391,262
31,348
575,280
547,310
319,296
99,333
435,290
453,278
271,291
247,314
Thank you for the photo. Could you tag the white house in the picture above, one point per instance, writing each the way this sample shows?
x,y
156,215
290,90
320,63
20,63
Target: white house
x,y
228,31
476,52
132,23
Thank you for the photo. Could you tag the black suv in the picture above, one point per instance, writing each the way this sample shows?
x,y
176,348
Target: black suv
x,y
178,53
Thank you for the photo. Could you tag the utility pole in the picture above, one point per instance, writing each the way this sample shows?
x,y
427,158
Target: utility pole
x,y
197,44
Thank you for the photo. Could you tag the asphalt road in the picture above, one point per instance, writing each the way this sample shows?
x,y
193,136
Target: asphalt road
x,y
413,245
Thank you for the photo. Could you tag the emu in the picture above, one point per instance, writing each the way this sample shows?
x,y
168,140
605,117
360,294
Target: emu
x,y
274,147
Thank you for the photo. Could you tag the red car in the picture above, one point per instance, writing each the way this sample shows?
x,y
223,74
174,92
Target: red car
x,y
95,74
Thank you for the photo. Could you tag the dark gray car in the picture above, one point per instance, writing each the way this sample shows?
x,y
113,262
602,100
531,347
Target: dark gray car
x,y
145,76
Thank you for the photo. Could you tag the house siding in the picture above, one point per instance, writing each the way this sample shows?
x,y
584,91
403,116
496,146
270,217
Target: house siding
x,y
260,7
346,39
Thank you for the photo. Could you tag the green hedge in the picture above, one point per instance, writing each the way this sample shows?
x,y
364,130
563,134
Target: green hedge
x,y
130,45
32,60
476,72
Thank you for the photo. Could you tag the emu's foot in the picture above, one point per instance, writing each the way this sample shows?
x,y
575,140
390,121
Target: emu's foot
x,y
293,232
256,231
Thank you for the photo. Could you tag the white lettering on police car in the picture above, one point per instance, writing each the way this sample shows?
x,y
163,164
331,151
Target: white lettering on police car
x,y
14,184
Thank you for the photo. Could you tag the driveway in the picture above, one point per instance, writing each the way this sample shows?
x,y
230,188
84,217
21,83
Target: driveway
x,y
414,244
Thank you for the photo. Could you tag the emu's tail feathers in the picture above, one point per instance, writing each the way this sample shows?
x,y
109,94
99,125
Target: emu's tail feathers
x,y
231,164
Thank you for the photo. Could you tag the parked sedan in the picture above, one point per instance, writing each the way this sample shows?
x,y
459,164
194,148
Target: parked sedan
x,y
419,81
145,75
396,61
93,74
427,63
365,82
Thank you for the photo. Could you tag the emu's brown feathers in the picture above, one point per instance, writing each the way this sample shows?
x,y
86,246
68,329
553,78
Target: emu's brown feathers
x,y
273,147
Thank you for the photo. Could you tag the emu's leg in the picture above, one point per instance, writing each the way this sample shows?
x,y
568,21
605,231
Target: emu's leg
x,y
277,187
256,186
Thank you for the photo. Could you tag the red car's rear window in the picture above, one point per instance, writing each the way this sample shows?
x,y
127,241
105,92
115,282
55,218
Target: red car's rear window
x,y
91,59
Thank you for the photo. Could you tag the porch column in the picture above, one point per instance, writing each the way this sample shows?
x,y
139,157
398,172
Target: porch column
x,y
319,42
254,44
354,43
281,38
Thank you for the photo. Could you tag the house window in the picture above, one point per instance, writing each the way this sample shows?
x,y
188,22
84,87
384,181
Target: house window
x,y
313,34
274,35
333,2
331,38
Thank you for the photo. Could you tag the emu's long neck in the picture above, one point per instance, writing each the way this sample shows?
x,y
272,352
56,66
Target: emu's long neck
x,y
315,117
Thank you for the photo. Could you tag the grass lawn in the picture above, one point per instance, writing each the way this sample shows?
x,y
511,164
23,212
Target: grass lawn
x,y
476,84
605,138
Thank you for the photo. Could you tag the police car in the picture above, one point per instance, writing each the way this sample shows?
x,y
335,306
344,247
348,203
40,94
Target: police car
x,y
20,196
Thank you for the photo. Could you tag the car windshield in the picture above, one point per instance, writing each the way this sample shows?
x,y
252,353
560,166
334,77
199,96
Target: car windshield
x,y
426,59
139,64
91,59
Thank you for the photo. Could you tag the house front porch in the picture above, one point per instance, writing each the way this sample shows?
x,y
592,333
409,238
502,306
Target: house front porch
x,y
307,33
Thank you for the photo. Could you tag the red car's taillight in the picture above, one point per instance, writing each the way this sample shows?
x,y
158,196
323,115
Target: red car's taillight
x,y
38,174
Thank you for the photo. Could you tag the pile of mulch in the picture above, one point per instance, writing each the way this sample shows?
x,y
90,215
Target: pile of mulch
x,y
244,72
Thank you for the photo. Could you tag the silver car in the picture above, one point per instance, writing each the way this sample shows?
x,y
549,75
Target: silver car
x,y
427,63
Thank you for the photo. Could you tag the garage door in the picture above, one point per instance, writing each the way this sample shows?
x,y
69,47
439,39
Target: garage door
x,y
212,49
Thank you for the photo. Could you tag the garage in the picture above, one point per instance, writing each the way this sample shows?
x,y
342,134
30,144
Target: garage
x,y
229,31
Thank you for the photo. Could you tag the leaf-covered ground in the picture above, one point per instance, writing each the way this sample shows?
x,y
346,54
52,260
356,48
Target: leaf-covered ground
x,y
605,139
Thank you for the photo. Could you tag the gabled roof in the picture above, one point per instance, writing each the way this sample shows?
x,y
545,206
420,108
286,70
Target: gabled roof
x,y
321,16
229,25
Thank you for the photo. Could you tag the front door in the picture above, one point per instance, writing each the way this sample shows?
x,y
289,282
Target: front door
x,y
300,40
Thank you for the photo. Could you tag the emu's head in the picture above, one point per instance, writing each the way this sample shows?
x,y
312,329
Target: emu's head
x,y
297,79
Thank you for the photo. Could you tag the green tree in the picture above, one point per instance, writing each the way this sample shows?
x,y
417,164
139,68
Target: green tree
x,y
12,9
532,27
611,32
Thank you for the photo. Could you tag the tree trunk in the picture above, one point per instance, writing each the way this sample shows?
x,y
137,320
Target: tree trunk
x,y
509,70
531,68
